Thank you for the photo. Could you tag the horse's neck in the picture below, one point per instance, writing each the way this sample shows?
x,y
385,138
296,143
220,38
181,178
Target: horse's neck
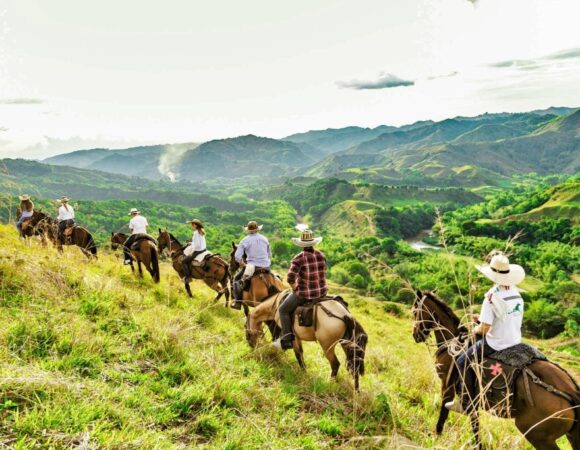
x,y
446,330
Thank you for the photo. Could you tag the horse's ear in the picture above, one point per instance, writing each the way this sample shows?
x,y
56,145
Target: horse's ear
x,y
159,230
233,245
112,234
419,294
434,291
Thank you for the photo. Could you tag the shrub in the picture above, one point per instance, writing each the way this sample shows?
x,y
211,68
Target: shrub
x,y
544,319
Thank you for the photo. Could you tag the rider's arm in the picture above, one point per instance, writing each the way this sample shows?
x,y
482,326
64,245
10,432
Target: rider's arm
x,y
482,329
293,271
486,317
240,251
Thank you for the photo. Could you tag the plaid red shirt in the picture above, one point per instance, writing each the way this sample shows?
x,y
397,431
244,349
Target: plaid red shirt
x,y
308,270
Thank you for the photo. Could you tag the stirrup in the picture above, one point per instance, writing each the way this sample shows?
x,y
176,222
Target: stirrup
x,y
236,304
283,344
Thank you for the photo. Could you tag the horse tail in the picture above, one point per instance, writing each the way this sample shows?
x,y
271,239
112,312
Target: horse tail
x,y
154,263
354,342
574,435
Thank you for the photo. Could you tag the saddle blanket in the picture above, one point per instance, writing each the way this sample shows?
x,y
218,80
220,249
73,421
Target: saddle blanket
x,y
519,356
199,258
141,237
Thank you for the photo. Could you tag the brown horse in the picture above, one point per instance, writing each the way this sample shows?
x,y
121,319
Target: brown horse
x,y
146,254
217,275
79,236
262,286
333,324
550,417
35,225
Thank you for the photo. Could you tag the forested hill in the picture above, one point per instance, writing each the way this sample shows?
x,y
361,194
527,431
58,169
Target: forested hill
x,y
468,151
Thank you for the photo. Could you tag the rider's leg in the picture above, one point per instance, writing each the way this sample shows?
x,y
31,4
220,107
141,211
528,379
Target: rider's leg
x,y
285,310
61,228
186,265
127,248
238,289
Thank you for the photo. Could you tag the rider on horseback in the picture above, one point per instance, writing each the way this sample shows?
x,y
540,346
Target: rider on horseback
x,y
256,249
196,248
499,325
26,211
307,276
138,226
66,217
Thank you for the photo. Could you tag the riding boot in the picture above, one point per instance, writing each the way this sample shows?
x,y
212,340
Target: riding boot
x,y
186,265
285,310
238,294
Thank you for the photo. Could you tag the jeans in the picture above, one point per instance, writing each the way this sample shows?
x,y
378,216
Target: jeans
x,y
466,373
286,308
187,260
62,225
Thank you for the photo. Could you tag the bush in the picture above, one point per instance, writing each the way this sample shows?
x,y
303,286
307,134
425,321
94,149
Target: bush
x,y
544,319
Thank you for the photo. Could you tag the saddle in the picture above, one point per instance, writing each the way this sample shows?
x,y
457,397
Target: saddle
x,y
68,231
258,271
26,223
142,237
498,374
305,312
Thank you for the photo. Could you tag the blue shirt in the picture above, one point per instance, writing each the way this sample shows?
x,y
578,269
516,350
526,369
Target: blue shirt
x,y
257,250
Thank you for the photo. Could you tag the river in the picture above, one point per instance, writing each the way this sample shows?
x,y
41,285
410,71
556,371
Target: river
x,y
417,241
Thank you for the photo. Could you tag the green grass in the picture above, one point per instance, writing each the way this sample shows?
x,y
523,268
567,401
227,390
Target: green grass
x,y
90,355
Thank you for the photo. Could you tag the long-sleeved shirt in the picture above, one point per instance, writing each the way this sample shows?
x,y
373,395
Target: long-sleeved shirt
x,y
65,213
257,250
138,225
308,271
198,242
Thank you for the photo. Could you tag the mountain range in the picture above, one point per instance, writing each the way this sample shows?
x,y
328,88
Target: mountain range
x,y
468,151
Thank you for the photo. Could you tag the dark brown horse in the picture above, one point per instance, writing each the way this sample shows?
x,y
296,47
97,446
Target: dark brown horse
x,y
79,236
146,254
216,276
35,225
262,286
551,416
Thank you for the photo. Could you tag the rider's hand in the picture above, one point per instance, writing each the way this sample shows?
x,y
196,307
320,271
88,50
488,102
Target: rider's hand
x,y
475,318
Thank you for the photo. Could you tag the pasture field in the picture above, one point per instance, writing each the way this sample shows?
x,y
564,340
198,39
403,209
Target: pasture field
x,y
91,356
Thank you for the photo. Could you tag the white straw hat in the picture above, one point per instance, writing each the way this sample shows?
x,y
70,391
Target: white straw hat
x,y
500,271
134,211
307,239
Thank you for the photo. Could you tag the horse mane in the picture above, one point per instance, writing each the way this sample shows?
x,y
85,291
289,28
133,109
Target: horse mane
x,y
173,238
444,306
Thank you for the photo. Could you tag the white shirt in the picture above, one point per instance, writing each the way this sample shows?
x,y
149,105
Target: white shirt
x,y
65,214
197,242
138,225
507,332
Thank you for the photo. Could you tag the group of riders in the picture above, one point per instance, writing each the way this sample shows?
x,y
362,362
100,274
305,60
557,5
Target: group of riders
x,y
499,323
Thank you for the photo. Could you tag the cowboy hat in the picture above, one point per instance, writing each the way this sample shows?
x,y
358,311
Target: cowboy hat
x,y
197,222
134,211
500,271
253,227
24,197
306,239
63,199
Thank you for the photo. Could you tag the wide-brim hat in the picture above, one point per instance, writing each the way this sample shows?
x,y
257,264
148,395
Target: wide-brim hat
x,y
24,197
63,199
500,271
307,239
197,222
134,211
253,227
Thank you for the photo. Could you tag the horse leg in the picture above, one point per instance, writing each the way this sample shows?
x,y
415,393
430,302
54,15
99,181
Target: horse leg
x,y
188,290
333,360
246,310
299,352
474,420
447,395
140,268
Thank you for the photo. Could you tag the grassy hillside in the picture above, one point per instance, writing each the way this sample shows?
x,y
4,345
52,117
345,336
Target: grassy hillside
x,y
91,356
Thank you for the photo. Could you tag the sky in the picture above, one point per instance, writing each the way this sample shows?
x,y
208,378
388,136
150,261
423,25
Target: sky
x,y
76,75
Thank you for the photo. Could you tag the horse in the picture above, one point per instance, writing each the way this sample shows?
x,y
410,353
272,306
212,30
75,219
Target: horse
x,y
35,225
262,286
146,254
216,277
332,324
79,236
550,417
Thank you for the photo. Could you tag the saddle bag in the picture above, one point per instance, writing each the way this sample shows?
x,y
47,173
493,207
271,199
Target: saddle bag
x,y
305,315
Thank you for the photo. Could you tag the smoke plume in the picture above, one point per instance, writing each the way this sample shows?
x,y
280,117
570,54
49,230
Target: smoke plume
x,y
169,161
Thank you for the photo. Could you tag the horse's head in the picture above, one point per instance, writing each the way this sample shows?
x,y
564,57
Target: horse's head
x,y
117,239
234,265
163,240
432,313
